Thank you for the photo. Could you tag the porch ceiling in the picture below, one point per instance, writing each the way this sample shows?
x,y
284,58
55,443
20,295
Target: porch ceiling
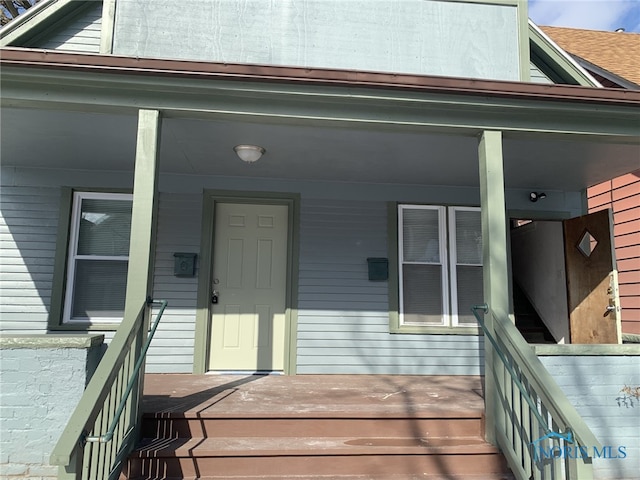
x,y
307,150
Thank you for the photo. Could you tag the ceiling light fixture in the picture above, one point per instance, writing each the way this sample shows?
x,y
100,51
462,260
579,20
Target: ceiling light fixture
x,y
249,153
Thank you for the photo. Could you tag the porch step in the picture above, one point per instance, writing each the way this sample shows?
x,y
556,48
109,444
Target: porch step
x,y
527,319
291,456
346,432
490,476
347,424
192,446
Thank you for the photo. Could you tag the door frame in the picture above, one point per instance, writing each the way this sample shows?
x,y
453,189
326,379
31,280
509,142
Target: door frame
x,y
561,217
205,270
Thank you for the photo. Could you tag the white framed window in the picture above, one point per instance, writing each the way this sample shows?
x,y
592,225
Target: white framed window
x,y
98,257
423,268
465,240
440,265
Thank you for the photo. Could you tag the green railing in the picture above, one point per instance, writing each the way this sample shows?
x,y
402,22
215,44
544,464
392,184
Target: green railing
x,y
103,429
538,430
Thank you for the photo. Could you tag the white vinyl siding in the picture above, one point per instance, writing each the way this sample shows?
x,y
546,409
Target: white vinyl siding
x,y
28,232
28,226
537,75
343,317
79,34
179,220
98,257
595,384
440,268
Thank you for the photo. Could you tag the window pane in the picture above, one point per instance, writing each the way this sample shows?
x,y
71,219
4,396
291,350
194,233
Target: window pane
x,y
420,235
422,294
470,292
105,226
99,290
468,237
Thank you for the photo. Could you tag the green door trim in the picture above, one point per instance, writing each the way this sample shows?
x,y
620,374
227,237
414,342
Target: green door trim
x,y
207,236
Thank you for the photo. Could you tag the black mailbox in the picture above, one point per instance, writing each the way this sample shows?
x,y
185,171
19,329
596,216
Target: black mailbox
x,y
185,264
378,268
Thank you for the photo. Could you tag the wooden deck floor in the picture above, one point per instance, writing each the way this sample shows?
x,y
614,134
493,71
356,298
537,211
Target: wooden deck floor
x,y
333,395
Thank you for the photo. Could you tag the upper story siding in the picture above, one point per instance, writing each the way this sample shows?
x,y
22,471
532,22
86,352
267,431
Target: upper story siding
x,y
81,34
537,75
464,38
459,39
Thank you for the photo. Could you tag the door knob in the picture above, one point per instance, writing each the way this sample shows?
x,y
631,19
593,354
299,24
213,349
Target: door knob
x,y
610,308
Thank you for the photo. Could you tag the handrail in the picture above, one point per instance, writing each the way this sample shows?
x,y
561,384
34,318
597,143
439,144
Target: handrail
x,y
83,451
512,373
107,437
537,371
530,436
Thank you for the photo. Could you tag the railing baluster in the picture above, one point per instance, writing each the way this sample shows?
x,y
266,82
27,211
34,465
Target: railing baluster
x,y
123,425
537,460
116,433
509,403
109,406
95,448
525,440
113,446
506,401
87,455
518,423
553,469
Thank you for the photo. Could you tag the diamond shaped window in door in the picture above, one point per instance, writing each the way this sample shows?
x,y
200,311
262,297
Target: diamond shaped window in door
x,y
587,244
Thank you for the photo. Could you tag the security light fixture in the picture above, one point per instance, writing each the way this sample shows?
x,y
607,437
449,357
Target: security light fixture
x,y
249,153
535,196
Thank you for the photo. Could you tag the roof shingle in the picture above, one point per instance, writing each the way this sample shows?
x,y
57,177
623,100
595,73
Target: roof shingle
x,y
616,52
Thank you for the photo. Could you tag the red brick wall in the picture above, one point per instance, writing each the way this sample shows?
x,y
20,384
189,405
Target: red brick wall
x,y
622,195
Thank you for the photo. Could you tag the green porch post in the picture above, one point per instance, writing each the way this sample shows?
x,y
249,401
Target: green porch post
x,y
145,193
140,270
494,258
143,224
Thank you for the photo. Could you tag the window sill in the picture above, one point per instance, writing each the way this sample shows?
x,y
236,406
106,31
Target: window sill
x,y
435,330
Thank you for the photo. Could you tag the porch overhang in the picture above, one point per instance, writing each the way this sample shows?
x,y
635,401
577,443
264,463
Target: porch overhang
x,y
315,124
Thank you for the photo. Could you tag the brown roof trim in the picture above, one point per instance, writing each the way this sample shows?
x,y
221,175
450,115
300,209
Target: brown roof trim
x,y
311,76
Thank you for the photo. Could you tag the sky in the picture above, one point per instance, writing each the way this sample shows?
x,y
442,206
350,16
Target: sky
x,y
606,15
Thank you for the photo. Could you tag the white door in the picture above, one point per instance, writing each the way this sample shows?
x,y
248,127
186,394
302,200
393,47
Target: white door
x,y
249,280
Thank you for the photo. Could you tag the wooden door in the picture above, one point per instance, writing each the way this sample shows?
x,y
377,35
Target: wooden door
x,y
249,279
592,286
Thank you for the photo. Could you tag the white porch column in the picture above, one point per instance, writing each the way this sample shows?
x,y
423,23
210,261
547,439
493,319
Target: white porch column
x,y
494,258
145,193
